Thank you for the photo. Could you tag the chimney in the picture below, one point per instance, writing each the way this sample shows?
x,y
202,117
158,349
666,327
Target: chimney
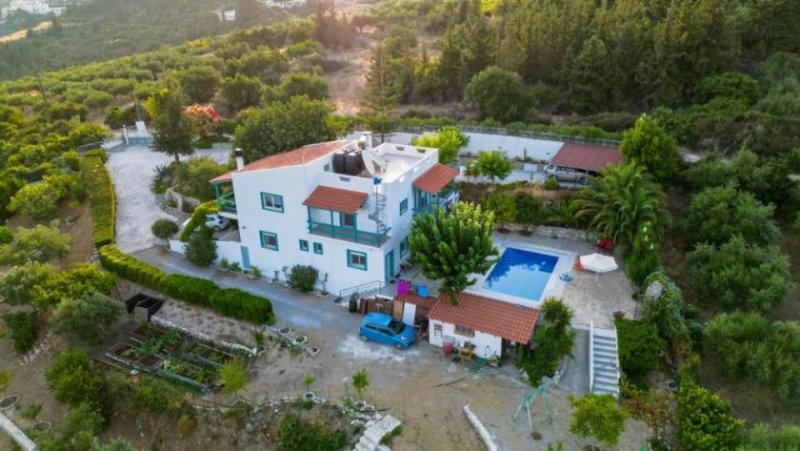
x,y
239,158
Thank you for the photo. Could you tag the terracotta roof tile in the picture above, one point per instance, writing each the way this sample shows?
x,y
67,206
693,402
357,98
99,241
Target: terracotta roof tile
x,y
435,178
294,157
502,319
336,199
587,156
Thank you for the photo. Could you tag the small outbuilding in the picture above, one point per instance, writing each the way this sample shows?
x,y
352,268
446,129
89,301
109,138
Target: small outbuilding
x,y
484,325
575,162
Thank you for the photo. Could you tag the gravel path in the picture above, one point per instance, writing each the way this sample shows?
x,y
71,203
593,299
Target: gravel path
x,y
132,172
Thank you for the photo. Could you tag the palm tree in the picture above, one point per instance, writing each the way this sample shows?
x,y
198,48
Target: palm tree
x,y
620,201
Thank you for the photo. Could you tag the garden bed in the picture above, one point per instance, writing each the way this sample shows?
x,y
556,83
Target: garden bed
x,y
189,373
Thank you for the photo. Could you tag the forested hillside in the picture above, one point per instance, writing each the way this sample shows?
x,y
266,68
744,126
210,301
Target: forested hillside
x,y
104,29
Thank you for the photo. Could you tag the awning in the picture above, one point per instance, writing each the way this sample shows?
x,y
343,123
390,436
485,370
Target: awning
x,y
435,178
336,199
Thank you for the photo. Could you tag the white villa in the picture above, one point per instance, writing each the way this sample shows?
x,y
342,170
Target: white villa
x,y
343,207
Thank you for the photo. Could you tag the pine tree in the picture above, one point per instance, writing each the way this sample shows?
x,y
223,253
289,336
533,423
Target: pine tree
x,y
381,99
174,131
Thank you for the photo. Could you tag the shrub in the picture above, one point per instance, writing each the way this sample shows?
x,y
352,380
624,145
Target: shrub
x,y
191,289
101,198
752,348
551,184
24,330
6,235
130,268
198,218
241,304
40,243
84,278
74,381
303,278
554,339
704,420
234,375
597,416
740,275
295,434
229,302
639,347
86,319
529,210
201,248
718,213
164,229
31,283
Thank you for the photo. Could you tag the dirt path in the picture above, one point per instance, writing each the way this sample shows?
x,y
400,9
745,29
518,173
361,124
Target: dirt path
x,y
22,34
348,83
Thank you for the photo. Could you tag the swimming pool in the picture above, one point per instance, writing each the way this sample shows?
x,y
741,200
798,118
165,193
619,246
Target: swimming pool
x,y
521,273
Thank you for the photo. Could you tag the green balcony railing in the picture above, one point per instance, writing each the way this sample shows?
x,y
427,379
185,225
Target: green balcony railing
x,y
227,202
347,233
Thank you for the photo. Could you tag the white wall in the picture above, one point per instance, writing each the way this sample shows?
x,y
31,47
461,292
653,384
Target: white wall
x,y
486,345
512,146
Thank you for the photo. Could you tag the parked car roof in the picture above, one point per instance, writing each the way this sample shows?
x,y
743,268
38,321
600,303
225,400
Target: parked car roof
x,y
377,318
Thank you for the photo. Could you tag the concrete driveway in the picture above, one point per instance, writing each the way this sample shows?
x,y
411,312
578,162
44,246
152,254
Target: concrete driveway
x,y
131,171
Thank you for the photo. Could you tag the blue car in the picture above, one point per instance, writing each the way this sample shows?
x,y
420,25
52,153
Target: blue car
x,y
384,329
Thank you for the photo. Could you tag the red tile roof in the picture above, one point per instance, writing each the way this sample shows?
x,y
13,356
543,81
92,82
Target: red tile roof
x,y
412,298
294,157
435,178
336,199
586,156
502,319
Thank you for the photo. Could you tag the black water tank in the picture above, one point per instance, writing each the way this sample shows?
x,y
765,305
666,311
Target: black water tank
x,y
353,164
338,161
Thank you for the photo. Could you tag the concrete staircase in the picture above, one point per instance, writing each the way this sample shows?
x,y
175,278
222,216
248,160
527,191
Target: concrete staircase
x,y
375,431
603,361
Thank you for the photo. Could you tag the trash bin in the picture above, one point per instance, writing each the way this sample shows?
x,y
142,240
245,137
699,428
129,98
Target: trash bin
x,y
422,291
352,306
447,347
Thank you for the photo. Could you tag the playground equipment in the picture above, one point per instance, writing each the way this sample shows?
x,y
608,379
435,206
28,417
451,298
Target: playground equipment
x,y
527,402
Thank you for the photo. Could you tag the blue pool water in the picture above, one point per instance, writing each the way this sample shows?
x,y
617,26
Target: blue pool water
x,y
521,273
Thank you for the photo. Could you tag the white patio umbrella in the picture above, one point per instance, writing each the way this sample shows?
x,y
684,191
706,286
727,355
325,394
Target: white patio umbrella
x,y
598,263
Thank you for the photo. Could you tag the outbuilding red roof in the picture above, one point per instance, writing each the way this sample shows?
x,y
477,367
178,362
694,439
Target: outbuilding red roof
x,y
589,157
336,199
435,178
295,157
503,319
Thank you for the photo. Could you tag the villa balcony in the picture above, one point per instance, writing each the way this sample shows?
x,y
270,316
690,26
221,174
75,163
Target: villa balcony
x,y
350,234
226,200
426,203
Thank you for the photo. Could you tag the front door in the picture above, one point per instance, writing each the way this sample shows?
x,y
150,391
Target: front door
x,y
245,258
389,266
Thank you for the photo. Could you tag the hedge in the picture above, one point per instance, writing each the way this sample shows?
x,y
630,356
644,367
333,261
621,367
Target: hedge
x,y
101,199
198,217
203,292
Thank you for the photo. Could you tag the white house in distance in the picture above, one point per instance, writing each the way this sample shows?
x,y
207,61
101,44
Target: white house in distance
x,y
343,207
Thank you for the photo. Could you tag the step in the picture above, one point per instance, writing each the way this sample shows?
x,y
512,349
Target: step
x,y
604,357
599,386
604,338
605,347
598,378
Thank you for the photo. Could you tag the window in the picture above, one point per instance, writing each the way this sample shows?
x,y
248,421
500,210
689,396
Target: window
x,y
403,206
347,220
318,248
304,245
437,329
465,331
272,202
404,247
357,260
327,167
269,240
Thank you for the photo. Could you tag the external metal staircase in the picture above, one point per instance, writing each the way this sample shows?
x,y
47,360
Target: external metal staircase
x,y
604,372
377,214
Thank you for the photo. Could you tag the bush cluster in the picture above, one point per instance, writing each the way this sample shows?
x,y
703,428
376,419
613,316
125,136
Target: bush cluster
x,y
295,433
639,347
24,329
101,199
554,339
229,301
303,278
